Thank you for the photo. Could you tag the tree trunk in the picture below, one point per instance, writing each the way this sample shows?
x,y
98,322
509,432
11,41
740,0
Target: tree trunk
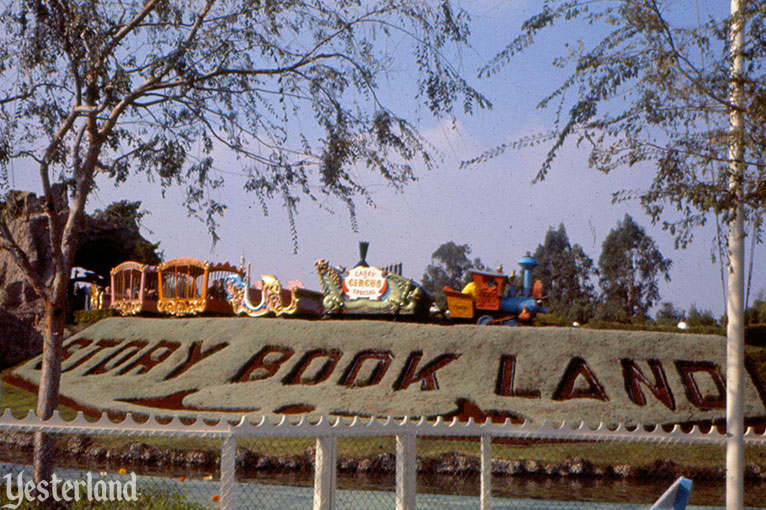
x,y
48,393
735,310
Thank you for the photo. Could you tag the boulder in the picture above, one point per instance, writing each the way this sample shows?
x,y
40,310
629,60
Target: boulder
x,y
109,237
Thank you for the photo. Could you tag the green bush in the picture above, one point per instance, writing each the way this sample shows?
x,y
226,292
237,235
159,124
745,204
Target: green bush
x,y
652,326
756,335
93,316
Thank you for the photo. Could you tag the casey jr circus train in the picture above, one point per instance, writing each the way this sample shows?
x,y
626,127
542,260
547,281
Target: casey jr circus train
x,y
187,287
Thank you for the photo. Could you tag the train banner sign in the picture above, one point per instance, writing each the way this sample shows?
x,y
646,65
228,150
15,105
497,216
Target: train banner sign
x,y
365,282
234,366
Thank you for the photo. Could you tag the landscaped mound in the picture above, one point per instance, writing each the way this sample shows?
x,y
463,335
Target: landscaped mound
x,y
233,366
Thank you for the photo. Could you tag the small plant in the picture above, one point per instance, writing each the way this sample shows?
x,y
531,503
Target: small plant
x,y
92,316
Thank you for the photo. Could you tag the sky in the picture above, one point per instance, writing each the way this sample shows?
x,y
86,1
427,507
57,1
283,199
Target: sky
x,y
493,207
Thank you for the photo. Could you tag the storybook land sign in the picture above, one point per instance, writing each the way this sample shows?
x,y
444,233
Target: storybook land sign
x,y
265,366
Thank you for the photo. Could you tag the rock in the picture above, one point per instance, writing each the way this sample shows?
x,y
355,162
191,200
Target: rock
x,y
663,468
287,464
384,463
349,465
141,452
364,466
17,440
108,238
265,464
577,466
622,470
506,467
195,458
19,340
246,458
77,445
532,467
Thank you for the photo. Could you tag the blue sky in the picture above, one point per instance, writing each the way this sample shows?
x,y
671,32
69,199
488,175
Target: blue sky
x,y
493,206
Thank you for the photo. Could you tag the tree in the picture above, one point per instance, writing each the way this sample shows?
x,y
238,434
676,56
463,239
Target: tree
x,y
164,87
565,272
449,264
695,317
629,267
652,85
669,314
756,314
112,235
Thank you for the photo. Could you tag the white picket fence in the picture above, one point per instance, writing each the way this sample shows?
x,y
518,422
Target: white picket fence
x,y
327,431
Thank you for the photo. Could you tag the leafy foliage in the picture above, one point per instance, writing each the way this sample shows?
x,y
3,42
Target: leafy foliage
x,y
565,272
449,264
629,267
695,317
648,86
756,314
170,89
668,314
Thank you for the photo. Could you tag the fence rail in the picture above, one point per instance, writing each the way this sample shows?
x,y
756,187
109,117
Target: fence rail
x,y
328,431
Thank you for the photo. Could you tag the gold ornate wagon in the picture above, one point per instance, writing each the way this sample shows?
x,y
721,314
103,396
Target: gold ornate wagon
x,y
134,288
189,286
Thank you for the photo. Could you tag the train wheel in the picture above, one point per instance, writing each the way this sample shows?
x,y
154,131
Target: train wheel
x,y
484,320
510,322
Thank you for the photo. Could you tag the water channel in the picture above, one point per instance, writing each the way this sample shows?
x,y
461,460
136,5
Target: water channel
x,y
293,491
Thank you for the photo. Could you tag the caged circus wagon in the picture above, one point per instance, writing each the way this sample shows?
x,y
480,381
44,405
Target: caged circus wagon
x,y
134,288
189,286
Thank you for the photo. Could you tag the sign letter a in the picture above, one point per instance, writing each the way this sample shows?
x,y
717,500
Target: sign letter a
x,y
567,390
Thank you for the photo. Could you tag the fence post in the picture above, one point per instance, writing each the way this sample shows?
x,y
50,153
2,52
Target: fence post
x,y
228,472
406,471
324,473
486,472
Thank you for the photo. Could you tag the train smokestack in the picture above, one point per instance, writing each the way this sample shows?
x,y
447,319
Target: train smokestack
x,y
528,263
363,246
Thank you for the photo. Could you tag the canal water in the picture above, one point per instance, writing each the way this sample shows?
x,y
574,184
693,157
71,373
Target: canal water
x,y
295,492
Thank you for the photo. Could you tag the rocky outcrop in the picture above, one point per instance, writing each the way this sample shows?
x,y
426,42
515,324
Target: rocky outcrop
x,y
109,237
21,322
18,340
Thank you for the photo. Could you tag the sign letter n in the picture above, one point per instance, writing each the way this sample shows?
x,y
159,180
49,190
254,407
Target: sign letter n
x,y
634,378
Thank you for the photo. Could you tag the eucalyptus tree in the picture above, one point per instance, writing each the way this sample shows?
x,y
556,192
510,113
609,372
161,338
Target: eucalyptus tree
x,y
664,86
565,271
288,89
449,265
629,269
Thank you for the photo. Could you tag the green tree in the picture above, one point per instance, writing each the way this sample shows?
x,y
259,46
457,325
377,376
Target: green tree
x,y
448,266
648,84
756,314
669,314
565,273
695,317
629,267
112,235
161,88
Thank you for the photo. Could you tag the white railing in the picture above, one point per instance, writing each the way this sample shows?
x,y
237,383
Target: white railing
x,y
327,431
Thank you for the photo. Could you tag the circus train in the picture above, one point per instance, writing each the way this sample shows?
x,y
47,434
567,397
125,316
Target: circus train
x,y
189,287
